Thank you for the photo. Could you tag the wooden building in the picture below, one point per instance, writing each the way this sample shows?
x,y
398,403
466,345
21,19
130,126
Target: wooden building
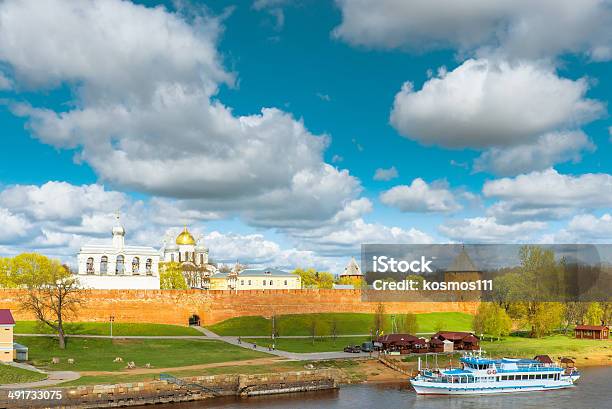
x,y
592,331
462,341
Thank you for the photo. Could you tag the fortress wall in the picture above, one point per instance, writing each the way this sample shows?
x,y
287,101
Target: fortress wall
x,y
176,306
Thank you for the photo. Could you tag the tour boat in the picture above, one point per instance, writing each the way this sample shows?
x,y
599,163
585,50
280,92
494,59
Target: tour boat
x,y
480,375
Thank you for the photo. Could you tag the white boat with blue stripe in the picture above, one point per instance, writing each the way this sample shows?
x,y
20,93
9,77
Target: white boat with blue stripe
x,y
480,375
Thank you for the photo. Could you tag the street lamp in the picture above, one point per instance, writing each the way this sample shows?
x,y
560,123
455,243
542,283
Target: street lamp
x,y
111,320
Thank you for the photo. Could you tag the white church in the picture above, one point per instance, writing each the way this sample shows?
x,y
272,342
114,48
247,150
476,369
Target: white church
x,y
117,266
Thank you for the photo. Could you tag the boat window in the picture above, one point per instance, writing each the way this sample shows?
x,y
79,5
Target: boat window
x,y
531,376
538,376
524,377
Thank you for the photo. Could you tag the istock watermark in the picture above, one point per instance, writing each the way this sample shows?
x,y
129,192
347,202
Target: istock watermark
x,y
487,272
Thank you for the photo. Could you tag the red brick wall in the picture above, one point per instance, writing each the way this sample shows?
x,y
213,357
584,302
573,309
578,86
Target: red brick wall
x,y
175,306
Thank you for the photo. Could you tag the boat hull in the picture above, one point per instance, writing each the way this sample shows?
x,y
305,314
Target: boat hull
x,y
426,388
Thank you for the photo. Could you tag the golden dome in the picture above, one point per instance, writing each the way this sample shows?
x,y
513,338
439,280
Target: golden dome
x,y
185,238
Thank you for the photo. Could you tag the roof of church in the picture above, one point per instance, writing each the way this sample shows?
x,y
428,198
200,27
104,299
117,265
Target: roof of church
x,y
352,269
462,263
185,238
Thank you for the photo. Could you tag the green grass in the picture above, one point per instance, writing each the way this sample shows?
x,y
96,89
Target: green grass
x,y
307,345
103,328
92,354
10,374
347,324
555,346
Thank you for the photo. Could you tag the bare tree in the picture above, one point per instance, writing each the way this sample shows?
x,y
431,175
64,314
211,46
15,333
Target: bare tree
x,y
379,318
313,327
53,292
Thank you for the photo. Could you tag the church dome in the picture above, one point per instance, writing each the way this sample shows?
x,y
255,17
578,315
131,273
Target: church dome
x,y
185,238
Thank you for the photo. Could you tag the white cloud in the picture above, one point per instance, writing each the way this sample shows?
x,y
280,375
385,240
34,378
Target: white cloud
x,y
488,229
591,227
547,150
145,114
14,227
421,197
477,105
552,189
516,28
5,83
386,174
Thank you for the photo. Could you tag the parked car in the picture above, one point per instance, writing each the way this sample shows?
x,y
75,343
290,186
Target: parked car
x,y
367,347
354,349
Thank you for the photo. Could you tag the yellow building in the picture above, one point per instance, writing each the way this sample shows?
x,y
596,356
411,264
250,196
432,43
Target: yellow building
x,y
255,279
7,323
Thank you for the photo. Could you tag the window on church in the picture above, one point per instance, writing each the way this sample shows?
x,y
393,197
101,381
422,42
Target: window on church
x,y
249,282
90,267
135,265
172,257
120,266
103,265
270,282
201,259
285,282
149,266
241,282
264,282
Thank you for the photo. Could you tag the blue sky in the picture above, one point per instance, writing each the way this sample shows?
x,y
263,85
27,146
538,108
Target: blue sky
x,y
156,109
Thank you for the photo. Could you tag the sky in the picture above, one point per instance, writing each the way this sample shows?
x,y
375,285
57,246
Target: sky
x,y
288,133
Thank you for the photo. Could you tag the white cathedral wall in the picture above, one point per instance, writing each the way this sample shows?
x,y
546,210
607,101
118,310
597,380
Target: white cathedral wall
x,y
113,282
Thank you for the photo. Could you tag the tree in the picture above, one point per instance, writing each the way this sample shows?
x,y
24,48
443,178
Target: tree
x,y
594,314
53,292
546,318
491,319
171,276
379,318
356,282
313,327
574,314
7,278
334,327
314,279
411,326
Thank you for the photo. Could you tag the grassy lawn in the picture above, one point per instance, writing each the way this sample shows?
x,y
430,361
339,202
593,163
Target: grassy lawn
x,y
103,328
98,354
555,345
306,344
10,374
347,323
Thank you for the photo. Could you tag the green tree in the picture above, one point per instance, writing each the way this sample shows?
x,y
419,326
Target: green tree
x,y
594,314
314,279
171,276
491,319
53,291
7,279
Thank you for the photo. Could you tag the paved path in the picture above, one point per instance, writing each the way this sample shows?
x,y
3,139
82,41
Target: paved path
x,y
54,377
311,356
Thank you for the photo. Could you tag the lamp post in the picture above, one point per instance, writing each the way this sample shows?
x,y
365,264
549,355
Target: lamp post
x,y
111,320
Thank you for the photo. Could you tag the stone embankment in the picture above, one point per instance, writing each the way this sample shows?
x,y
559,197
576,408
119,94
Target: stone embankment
x,y
184,389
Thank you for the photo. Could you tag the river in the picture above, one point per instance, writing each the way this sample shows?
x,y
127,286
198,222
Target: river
x,y
593,391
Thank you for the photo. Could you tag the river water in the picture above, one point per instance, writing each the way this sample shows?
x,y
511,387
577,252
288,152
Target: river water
x,y
593,391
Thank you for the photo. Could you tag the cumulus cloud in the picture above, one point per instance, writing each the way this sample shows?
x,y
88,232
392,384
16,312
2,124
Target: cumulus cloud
x,y
145,114
421,197
547,195
550,188
488,229
547,150
591,227
516,28
386,174
477,105
14,227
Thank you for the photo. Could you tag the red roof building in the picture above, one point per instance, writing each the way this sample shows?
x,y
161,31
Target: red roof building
x,y
6,318
461,340
592,331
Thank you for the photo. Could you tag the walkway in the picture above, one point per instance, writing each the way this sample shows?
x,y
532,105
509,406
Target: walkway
x,y
310,356
53,378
